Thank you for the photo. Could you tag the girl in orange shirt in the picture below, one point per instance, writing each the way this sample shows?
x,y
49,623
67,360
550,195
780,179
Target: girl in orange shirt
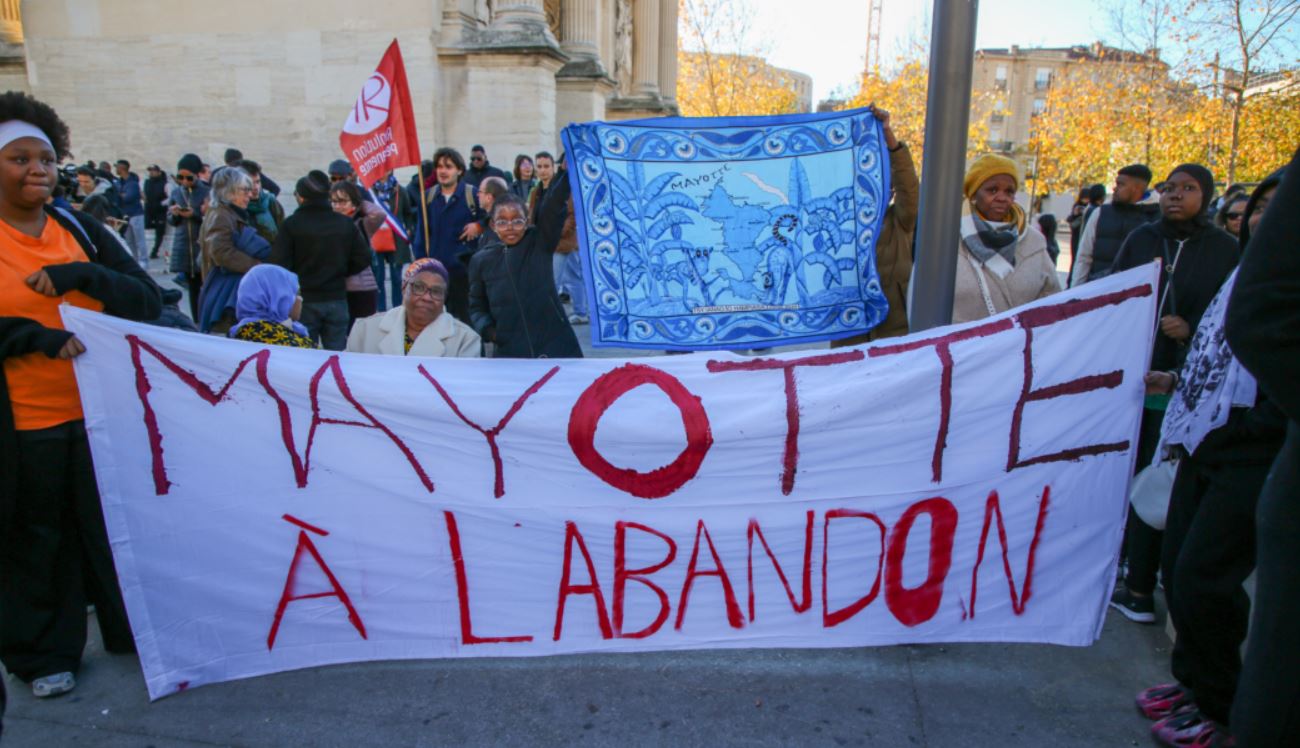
x,y
51,522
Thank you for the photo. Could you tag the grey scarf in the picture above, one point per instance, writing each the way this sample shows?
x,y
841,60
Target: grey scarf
x,y
992,239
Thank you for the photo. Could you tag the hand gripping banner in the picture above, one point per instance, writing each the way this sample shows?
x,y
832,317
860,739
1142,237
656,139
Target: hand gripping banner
x,y
732,232
273,508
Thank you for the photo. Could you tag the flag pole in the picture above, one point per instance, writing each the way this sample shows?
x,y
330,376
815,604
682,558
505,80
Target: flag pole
x,y
424,208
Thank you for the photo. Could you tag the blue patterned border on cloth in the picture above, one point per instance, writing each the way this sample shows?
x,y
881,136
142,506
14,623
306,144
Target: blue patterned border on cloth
x,y
730,232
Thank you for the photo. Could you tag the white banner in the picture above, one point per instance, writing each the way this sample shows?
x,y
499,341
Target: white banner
x,y
273,508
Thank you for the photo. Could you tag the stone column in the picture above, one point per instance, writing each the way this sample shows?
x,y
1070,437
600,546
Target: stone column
x,y
645,48
668,50
582,85
526,16
579,29
11,22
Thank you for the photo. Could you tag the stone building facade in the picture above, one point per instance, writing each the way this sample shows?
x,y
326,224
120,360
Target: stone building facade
x,y
1017,80
149,80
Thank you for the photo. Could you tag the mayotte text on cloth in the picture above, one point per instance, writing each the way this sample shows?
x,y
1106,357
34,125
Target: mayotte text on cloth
x,y
730,232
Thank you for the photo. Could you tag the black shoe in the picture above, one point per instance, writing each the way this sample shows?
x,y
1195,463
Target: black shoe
x,y
1136,608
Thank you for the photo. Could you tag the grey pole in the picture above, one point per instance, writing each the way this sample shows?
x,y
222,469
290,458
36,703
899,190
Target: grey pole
x,y
947,115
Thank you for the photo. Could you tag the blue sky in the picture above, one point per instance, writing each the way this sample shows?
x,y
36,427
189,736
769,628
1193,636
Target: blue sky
x,y
827,38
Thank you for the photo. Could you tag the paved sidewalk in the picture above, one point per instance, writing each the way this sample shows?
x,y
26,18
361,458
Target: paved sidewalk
x,y
967,695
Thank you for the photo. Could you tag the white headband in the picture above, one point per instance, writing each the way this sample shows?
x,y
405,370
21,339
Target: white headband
x,y
16,128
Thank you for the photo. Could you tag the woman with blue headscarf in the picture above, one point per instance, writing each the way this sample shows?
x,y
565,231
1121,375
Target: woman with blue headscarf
x,y
267,308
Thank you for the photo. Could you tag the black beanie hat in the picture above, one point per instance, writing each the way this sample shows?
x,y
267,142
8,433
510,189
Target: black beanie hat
x,y
1203,177
1137,171
314,186
191,163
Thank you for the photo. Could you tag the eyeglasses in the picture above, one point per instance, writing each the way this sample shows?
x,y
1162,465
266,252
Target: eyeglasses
x,y
514,223
336,178
419,289
1234,216
184,177
476,158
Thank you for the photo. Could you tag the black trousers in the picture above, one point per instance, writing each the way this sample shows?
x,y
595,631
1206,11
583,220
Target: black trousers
x,y
1209,550
1267,709
1142,541
55,559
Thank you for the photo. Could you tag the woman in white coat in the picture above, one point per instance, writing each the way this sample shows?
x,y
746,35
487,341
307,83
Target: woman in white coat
x,y
418,327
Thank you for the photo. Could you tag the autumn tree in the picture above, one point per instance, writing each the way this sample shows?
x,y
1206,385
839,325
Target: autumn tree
x,y
1247,36
722,67
902,92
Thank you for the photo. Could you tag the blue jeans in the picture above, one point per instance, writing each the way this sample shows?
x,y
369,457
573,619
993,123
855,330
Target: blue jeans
x,y
568,276
326,323
394,277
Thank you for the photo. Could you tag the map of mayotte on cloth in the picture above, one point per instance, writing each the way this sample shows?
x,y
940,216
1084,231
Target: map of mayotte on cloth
x,y
730,232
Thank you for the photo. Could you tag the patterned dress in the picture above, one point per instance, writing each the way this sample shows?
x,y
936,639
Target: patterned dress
x,y
272,333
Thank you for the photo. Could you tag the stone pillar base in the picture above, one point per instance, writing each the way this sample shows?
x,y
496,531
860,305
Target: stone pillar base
x,y
500,94
580,94
640,107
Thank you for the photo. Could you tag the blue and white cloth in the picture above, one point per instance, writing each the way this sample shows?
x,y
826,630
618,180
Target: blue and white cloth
x,y
716,233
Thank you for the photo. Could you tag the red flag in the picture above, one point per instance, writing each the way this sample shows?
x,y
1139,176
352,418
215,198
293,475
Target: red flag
x,y
379,133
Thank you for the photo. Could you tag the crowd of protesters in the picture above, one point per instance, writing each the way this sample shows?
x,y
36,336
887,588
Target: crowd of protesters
x,y
467,255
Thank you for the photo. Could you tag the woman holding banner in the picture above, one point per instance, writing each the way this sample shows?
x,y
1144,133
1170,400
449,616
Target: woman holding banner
x,y
54,552
1002,260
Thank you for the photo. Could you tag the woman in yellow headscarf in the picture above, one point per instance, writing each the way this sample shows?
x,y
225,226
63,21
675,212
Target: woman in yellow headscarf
x,y
1002,260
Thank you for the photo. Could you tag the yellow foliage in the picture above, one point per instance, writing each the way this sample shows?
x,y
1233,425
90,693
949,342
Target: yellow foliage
x,y
903,95
727,85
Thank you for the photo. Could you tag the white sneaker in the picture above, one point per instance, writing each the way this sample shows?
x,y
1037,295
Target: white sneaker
x,y
53,685
578,319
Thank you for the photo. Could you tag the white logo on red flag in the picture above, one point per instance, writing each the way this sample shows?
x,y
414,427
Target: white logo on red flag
x,y
379,132
371,109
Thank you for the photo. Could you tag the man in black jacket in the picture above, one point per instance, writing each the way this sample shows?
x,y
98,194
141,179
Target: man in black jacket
x,y
1130,206
480,169
1263,329
155,212
323,248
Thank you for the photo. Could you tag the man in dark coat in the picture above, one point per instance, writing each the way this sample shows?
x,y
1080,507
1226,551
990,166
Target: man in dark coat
x,y
453,214
155,212
480,169
323,248
1130,206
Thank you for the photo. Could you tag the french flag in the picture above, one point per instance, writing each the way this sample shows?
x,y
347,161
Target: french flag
x,y
389,218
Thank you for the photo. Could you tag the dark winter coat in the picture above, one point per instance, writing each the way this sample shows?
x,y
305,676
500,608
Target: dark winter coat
x,y
512,298
1115,221
447,219
186,254
1263,314
155,194
476,176
1207,258
323,248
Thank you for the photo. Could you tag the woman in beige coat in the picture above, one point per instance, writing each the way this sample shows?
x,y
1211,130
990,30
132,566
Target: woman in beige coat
x,y
1002,260
418,327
